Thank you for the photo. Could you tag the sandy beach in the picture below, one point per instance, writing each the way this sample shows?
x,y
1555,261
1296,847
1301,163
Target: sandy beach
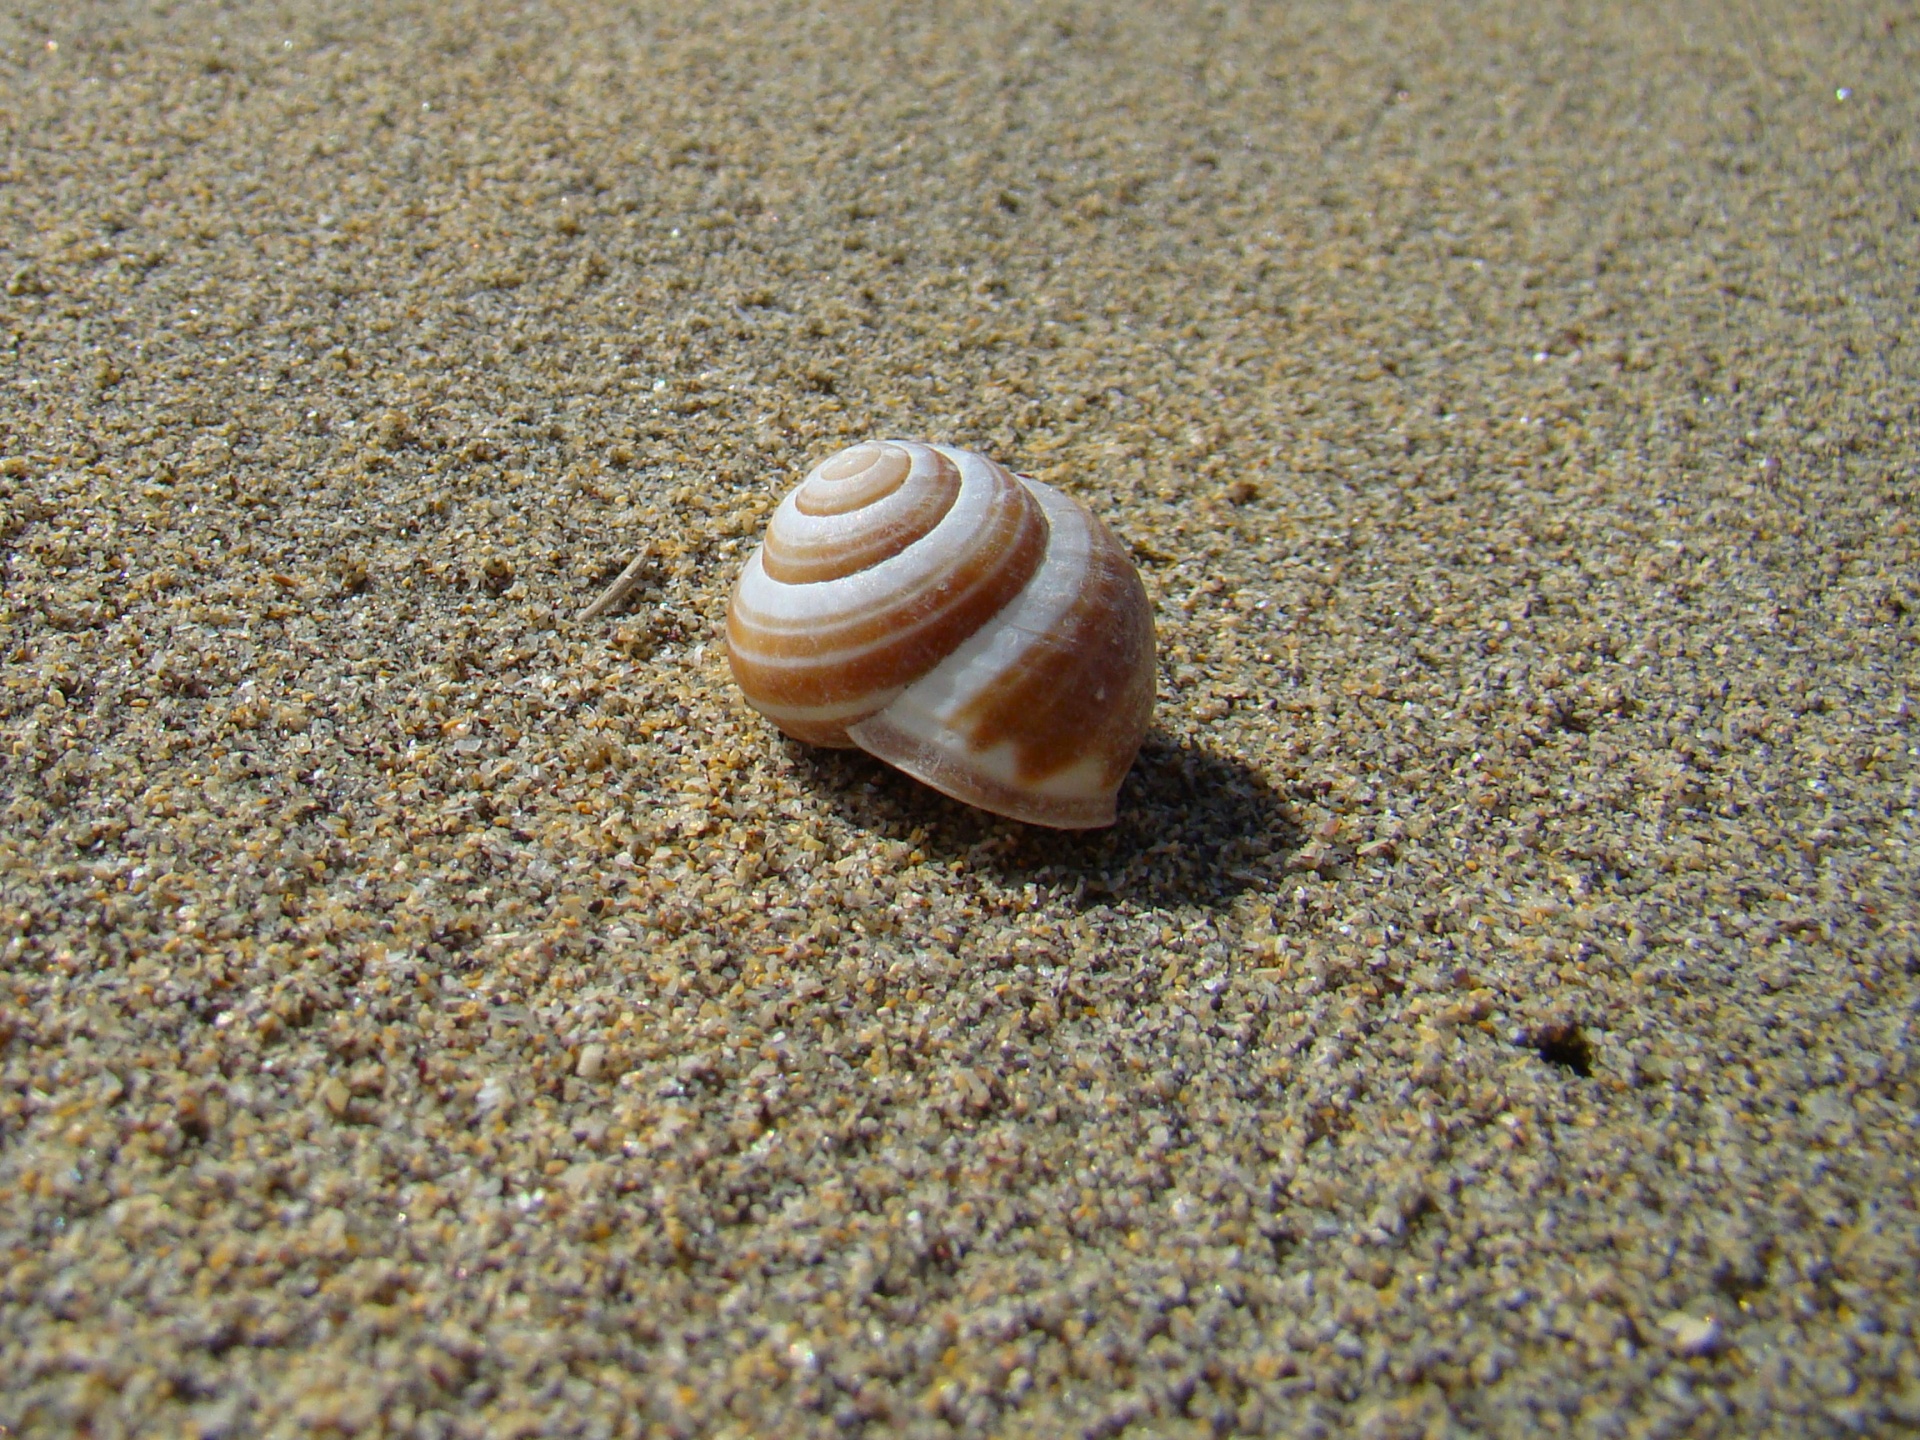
x,y
427,1012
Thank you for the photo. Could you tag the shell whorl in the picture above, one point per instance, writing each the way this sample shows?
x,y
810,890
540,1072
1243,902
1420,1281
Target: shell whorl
x,y
981,631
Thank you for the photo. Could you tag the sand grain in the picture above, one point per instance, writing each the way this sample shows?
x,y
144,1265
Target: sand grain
x,y
427,1011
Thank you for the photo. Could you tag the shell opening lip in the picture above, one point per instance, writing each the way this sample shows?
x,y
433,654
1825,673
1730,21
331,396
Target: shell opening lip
x,y
933,767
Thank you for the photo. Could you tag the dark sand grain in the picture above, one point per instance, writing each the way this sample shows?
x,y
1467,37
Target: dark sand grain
x,y
426,1012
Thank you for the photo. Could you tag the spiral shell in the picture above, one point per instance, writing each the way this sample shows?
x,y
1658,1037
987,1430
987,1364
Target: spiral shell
x,y
979,630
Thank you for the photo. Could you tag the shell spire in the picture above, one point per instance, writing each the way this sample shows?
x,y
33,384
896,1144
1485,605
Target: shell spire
x,y
977,629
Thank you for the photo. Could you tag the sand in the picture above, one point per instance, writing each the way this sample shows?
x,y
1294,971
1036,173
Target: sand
x,y
427,1012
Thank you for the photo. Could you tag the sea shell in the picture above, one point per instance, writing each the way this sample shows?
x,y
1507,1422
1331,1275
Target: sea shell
x,y
977,629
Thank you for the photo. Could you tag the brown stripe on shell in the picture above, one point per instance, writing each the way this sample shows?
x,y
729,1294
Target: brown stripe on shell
x,y
851,552
896,641
1086,688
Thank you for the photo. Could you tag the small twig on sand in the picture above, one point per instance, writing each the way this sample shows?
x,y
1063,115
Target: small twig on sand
x,y
627,582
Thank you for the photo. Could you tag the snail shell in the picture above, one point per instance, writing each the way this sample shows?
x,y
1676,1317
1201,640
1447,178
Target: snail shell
x,y
979,630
